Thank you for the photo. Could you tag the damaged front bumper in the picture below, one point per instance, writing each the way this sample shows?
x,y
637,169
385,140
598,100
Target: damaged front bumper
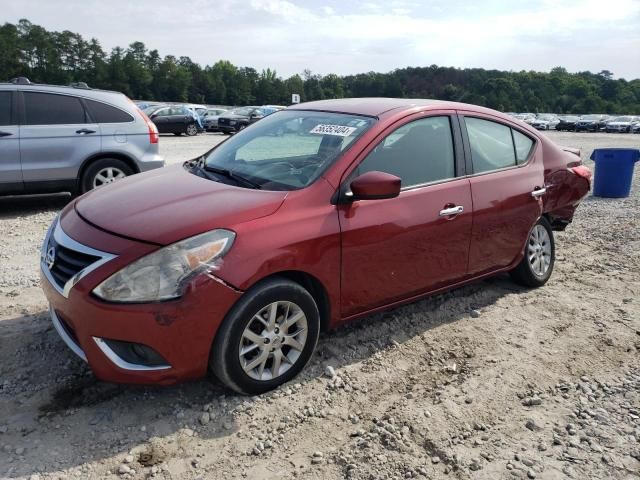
x,y
152,343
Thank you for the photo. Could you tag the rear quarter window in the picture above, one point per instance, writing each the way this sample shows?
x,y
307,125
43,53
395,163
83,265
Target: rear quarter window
x,y
523,146
103,113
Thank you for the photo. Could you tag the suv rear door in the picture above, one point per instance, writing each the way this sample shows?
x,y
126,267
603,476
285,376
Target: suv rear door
x,y
10,168
56,137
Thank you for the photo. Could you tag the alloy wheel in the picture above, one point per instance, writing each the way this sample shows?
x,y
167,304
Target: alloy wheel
x,y
192,130
107,175
273,340
539,250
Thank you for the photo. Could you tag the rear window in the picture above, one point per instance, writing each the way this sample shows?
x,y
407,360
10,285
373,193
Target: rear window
x,y
5,108
52,109
103,113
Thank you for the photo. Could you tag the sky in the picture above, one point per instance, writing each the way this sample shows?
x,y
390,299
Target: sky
x,y
354,36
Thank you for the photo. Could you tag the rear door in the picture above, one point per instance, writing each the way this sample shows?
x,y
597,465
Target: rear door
x,y
507,184
56,137
396,248
161,119
10,168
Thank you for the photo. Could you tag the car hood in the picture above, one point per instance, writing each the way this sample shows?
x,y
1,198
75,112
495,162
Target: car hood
x,y
169,204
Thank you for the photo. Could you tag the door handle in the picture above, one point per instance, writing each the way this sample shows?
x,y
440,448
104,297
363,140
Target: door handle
x,y
5,134
85,131
447,212
538,192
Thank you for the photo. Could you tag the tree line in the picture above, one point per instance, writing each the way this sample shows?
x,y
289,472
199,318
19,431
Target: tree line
x,y
65,57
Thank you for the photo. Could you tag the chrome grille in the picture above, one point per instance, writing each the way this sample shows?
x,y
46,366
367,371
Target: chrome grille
x,y
67,262
64,261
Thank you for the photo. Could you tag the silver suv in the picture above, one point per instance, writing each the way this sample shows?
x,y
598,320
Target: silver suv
x,y
70,139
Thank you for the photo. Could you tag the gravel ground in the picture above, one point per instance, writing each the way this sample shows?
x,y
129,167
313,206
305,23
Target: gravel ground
x,y
488,381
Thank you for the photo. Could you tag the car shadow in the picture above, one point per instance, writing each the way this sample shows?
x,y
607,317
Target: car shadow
x,y
49,395
22,205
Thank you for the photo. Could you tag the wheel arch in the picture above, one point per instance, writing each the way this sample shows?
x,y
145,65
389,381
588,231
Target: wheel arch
x,y
313,285
101,156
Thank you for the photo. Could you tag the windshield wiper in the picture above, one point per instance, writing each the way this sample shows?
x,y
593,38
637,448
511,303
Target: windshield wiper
x,y
233,176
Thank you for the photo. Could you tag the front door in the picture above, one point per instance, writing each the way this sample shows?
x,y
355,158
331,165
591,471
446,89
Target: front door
x,y
10,168
395,248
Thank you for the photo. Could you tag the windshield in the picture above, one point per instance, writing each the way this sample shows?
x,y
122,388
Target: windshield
x,y
289,149
591,117
622,119
546,117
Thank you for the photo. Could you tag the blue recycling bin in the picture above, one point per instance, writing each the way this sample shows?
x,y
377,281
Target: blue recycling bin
x,y
614,171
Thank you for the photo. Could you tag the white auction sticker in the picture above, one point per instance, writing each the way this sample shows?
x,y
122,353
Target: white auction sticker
x,y
337,130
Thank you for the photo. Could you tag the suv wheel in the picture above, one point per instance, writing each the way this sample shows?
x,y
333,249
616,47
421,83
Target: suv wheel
x,y
103,172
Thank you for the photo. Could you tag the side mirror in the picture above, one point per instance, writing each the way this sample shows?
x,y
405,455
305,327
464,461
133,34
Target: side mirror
x,y
375,186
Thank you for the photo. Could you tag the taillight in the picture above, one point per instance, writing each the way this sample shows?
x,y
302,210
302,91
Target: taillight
x,y
582,171
153,130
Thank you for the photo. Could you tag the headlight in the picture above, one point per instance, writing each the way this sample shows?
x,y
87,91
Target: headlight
x,y
163,274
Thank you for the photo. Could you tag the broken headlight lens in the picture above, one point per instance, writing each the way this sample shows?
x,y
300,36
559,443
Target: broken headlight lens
x,y
163,274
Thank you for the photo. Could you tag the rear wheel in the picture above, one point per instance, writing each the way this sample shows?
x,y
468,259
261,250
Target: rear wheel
x,y
192,130
267,338
539,256
103,172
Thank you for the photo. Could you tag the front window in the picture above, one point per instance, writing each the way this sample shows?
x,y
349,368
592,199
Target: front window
x,y
622,119
287,150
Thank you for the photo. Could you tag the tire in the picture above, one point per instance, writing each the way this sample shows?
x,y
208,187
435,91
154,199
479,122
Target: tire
x,y
528,272
241,127
192,130
103,171
291,301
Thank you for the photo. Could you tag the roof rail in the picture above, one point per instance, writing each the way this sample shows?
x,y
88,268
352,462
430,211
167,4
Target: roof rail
x,y
20,81
80,85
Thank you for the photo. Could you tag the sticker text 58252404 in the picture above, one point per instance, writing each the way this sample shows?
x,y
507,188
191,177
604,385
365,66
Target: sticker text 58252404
x,y
338,130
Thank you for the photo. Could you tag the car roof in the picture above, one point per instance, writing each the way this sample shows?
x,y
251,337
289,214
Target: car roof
x,y
375,107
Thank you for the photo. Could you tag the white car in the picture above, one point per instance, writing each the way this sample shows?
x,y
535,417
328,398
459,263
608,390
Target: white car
x,y
545,121
621,124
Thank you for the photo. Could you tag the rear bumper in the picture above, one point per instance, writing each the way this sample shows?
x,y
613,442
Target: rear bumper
x,y
181,331
150,161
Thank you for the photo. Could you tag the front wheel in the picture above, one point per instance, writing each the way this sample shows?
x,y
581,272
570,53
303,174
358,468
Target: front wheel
x,y
267,338
539,256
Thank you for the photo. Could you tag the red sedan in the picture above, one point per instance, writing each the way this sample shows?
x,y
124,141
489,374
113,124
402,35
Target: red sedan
x,y
316,215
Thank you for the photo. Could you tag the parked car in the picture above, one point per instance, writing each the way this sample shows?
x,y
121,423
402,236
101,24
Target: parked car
x,y
525,117
567,123
238,119
620,124
591,123
176,119
70,139
234,262
545,121
211,119
635,128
